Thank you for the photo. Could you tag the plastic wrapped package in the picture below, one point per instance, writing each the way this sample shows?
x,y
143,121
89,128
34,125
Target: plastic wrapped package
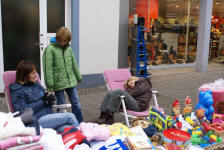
x,y
13,126
51,140
217,88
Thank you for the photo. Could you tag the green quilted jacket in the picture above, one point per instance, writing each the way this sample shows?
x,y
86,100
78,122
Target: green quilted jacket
x,y
60,68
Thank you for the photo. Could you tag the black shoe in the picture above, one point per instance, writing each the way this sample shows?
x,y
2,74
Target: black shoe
x,y
105,118
179,61
100,121
102,115
104,121
110,118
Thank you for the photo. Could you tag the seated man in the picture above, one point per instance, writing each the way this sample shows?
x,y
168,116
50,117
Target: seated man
x,y
28,93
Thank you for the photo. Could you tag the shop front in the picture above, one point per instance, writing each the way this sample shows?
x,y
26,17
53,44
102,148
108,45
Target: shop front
x,y
171,31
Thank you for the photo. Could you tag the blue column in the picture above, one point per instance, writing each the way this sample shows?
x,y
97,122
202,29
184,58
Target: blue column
x,y
75,28
204,30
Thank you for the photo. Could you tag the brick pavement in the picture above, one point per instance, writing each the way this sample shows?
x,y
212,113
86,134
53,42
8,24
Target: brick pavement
x,y
171,84
174,83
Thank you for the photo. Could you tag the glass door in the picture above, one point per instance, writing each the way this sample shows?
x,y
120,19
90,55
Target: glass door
x,y
20,28
52,16
28,26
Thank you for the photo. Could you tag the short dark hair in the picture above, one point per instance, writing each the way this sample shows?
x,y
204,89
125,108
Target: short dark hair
x,y
24,68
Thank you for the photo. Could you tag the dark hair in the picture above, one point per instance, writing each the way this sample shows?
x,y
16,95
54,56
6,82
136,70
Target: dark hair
x,y
23,70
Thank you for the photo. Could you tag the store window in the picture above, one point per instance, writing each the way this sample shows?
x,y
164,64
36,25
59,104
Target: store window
x,y
170,30
216,51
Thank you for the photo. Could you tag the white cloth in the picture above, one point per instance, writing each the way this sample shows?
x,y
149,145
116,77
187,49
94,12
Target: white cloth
x,y
110,141
10,126
51,140
82,147
185,124
96,145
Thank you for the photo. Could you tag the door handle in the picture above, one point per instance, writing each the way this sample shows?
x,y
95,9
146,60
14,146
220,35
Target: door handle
x,y
38,44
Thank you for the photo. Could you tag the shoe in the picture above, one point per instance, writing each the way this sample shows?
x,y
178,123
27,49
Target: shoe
x,y
104,121
110,118
102,115
170,61
179,61
100,121
105,118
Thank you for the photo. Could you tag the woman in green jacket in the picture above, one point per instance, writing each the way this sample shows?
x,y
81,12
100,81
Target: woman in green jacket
x,y
61,71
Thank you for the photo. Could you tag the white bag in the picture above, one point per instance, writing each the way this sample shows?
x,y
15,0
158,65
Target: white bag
x,y
10,126
51,140
82,146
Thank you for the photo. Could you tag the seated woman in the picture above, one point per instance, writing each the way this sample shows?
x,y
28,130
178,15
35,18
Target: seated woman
x,y
137,98
28,93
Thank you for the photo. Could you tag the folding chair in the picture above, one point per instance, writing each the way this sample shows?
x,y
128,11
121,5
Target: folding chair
x,y
9,77
114,80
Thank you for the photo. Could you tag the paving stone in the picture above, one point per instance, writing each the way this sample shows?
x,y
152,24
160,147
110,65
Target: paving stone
x,y
171,84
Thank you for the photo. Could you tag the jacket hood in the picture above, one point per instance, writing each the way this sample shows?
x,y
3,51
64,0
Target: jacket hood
x,y
54,41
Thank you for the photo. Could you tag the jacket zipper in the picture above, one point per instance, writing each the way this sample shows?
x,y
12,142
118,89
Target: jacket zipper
x,y
65,66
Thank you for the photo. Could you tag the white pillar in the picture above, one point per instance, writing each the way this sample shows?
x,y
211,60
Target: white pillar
x,y
43,34
68,14
204,30
1,52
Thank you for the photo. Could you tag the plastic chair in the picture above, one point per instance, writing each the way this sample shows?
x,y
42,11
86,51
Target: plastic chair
x,y
114,80
9,77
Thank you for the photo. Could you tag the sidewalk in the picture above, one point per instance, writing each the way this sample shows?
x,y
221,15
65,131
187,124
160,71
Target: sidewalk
x,y
171,84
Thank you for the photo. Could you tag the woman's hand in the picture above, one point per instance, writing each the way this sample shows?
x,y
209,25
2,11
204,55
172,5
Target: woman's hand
x,y
49,99
51,92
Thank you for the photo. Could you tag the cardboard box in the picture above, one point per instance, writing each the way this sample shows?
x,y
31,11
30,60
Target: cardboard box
x,y
138,143
138,131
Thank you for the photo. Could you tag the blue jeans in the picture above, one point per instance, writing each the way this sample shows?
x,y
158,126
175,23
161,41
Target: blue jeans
x,y
58,121
74,100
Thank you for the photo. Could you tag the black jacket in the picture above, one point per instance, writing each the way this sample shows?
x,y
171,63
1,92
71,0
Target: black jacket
x,y
142,93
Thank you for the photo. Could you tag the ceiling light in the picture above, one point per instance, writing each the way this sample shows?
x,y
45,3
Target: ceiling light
x,y
177,6
197,7
217,3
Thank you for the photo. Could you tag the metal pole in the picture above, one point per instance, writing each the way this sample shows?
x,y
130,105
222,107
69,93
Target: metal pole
x,y
188,23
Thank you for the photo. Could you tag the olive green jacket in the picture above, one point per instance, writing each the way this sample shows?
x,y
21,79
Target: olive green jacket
x,y
60,68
